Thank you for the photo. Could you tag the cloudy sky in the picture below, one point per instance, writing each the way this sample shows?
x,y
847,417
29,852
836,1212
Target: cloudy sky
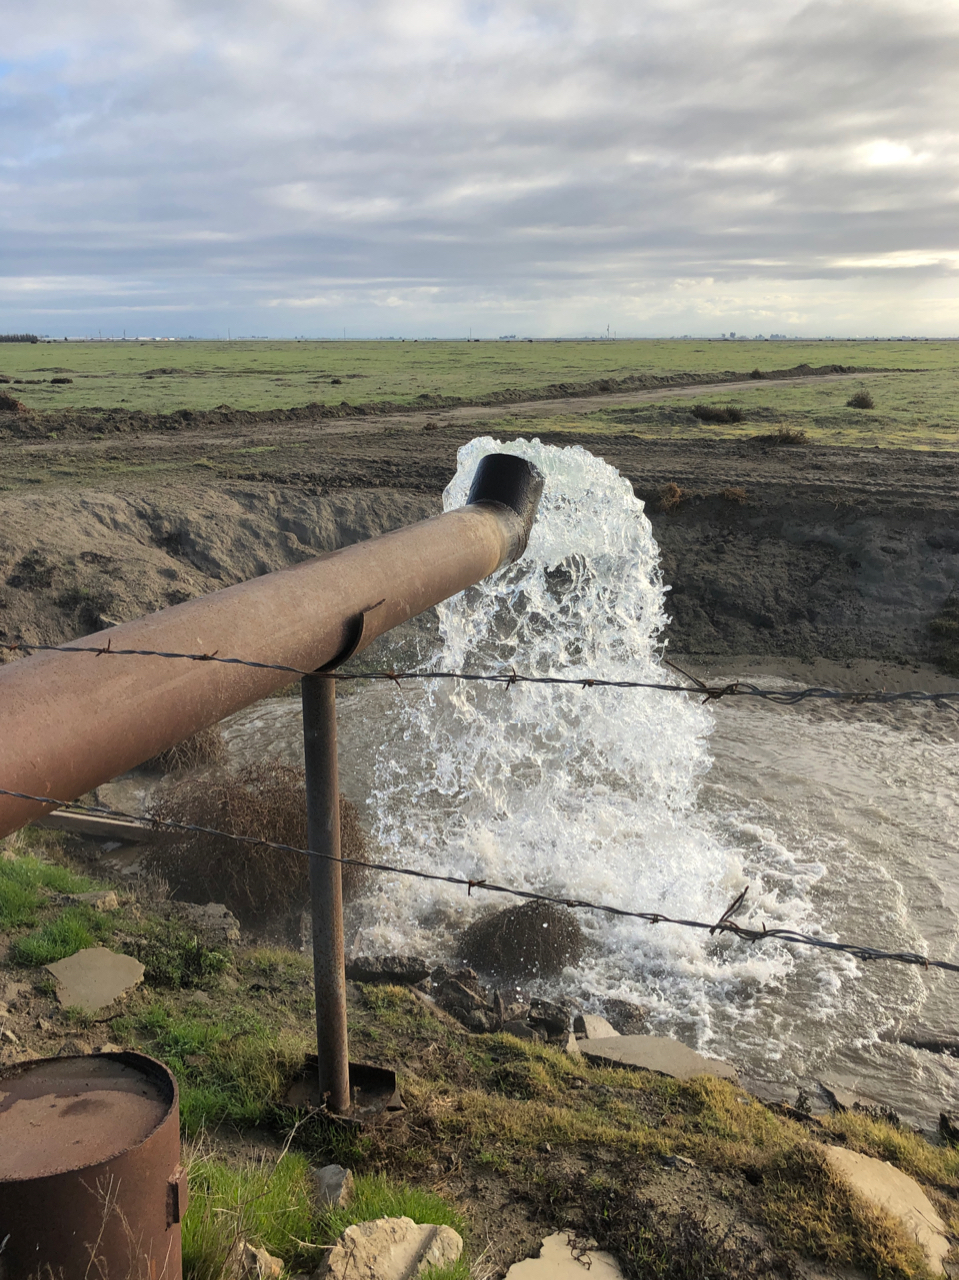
x,y
422,167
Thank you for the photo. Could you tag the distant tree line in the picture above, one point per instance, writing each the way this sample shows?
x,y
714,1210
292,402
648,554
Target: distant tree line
x,y
18,337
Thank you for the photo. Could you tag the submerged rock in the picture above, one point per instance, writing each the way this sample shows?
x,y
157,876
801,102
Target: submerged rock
x,y
536,940
627,1018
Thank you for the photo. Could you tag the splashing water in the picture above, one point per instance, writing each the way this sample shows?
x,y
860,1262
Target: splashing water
x,y
586,793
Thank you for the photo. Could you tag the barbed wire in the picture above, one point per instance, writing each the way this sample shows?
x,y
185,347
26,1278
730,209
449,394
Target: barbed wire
x,y
510,677
725,923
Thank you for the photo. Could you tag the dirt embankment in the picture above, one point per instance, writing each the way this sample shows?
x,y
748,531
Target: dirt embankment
x,y
769,549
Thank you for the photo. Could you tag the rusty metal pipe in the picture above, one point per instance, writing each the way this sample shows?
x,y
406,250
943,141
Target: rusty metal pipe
x,y
69,723
326,891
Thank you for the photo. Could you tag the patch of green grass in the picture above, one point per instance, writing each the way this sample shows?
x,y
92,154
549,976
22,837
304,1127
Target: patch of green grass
x,y
267,1205
377,1196
175,958
73,930
812,1210
232,1069
22,880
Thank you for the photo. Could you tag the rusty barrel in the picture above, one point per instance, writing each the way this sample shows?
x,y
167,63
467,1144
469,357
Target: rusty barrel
x,y
90,1176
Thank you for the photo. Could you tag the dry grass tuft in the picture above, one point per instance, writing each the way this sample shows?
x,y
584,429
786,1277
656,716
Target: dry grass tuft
x,y
717,413
205,747
671,498
257,883
735,495
783,435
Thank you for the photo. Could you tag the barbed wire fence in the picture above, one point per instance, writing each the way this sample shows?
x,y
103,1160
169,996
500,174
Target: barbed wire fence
x,y
726,924
509,677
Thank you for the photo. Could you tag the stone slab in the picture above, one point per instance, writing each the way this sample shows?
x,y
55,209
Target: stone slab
x,y
93,978
100,827
656,1053
593,1027
888,1188
214,922
558,1260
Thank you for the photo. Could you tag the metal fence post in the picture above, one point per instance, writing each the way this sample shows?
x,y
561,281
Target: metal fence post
x,y
326,889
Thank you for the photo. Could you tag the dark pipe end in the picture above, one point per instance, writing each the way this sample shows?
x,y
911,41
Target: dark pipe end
x,y
510,482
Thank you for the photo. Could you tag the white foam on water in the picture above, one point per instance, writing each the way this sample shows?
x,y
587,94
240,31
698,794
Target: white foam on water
x,y
586,793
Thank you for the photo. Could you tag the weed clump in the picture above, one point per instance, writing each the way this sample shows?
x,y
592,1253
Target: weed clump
x,y
735,495
783,435
717,413
32,571
202,748
258,883
861,400
671,498
174,957
534,940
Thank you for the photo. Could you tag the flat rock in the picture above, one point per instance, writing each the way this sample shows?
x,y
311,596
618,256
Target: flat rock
x,y
212,920
389,1249
656,1053
256,1264
523,1031
593,1027
396,970
95,977
558,1260
888,1188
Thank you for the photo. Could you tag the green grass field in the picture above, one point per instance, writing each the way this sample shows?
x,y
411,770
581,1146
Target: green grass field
x,y
916,407
913,411
161,377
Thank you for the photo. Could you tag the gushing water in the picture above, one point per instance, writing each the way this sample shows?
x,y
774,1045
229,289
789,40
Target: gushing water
x,y
589,793
835,820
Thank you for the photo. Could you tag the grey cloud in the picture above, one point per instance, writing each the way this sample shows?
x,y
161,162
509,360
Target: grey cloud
x,y
219,158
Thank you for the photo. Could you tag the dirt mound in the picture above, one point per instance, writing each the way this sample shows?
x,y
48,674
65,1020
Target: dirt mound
x,y
536,940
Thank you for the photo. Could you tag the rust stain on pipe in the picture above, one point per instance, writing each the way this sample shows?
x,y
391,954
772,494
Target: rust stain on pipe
x,y
71,723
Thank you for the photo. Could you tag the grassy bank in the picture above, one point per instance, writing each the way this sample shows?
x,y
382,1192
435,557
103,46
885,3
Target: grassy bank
x,y
506,1140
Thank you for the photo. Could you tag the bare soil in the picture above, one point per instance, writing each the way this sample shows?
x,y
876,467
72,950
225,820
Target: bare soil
x,y
770,549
